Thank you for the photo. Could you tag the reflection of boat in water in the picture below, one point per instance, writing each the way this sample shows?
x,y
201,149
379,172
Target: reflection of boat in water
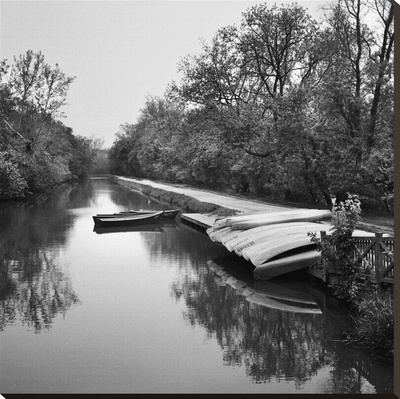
x,y
285,305
151,227
283,295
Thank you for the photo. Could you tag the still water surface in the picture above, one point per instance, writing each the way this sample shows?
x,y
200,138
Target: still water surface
x,y
164,310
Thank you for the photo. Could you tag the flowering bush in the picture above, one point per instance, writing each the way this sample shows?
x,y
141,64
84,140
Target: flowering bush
x,y
346,214
350,280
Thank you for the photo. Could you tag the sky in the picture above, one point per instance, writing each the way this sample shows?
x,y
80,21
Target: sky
x,y
120,51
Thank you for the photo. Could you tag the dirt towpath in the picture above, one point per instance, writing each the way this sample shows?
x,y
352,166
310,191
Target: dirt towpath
x,y
226,201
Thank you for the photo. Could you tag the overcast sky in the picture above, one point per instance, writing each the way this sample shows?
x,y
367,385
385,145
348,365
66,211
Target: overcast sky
x,y
119,51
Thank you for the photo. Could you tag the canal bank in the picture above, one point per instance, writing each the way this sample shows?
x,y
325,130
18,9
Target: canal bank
x,y
381,265
200,208
211,205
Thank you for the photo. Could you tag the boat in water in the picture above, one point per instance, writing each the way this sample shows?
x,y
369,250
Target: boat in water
x,y
132,218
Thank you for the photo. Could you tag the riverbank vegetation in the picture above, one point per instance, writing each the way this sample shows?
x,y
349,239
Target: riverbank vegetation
x,y
37,151
281,106
181,201
371,303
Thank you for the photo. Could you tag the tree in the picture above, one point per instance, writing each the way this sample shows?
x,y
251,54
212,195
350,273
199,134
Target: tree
x,y
81,161
122,162
381,62
38,92
279,105
37,86
41,151
357,93
247,71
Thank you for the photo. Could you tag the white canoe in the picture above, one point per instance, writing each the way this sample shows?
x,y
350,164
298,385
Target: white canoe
x,y
227,235
263,251
259,234
216,235
264,254
252,251
238,235
234,235
287,264
308,215
228,221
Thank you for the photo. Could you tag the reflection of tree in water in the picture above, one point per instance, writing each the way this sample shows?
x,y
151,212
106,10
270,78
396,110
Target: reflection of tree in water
x,y
34,287
268,342
181,246
275,344
355,371
40,291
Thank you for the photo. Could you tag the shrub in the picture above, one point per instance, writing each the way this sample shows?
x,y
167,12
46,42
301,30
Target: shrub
x,y
353,283
374,322
350,279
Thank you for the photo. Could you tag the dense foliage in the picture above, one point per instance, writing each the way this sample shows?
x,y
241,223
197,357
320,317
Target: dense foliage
x,y
350,279
280,106
354,283
37,151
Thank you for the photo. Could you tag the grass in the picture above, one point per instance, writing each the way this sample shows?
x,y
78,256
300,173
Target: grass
x,y
181,201
374,323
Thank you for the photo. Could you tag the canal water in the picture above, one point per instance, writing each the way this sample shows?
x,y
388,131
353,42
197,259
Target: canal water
x,y
157,310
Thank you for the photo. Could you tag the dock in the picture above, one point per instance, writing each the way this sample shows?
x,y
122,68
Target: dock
x,y
199,220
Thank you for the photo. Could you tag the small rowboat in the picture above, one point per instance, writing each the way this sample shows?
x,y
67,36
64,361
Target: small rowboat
x,y
166,214
127,220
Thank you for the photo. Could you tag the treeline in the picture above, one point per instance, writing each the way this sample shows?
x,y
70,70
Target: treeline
x,y
37,151
281,106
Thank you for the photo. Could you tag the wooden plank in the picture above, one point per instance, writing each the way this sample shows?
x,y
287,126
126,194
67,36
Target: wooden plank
x,y
199,219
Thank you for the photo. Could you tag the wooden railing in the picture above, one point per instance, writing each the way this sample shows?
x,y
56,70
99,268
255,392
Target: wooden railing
x,y
376,252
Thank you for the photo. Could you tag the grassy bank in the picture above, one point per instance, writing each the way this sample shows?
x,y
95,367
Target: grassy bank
x,y
374,323
181,201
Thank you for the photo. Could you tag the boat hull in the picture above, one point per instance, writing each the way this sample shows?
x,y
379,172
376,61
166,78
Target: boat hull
x,y
311,216
128,220
271,251
257,235
165,214
287,264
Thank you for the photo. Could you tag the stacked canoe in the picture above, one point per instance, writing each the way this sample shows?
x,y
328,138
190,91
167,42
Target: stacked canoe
x,y
275,243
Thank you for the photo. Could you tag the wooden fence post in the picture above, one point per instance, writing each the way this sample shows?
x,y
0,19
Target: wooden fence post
x,y
378,257
324,273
